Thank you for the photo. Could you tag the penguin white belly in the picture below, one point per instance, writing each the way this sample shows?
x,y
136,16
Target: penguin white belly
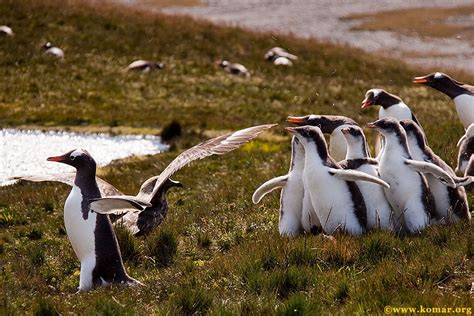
x,y
81,235
404,195
379,212
441,196
332,201
337,144
465,108
309,218
291,203
399,111
58,52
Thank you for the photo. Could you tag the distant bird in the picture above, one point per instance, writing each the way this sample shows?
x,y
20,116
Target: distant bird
x,y
462,94
409,193
142,214
466,153
144,66
282,61
329,124
276,52
335,196
52,50
451,203
6,30
234,68
391,106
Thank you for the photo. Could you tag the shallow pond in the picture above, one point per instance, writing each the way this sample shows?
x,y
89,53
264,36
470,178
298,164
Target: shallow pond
x,y
24,152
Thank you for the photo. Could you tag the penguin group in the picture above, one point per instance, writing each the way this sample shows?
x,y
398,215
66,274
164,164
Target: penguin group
x,y
329,188
406,188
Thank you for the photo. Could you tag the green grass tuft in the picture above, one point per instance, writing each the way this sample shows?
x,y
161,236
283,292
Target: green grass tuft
x,y
162,247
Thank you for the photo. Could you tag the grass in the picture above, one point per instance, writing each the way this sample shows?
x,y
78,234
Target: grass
x,y
424,21
219,253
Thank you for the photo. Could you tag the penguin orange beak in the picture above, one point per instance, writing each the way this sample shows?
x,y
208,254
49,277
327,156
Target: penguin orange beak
x,y
371,125
421,80
292,130
57,158
295,119
367,102
345,131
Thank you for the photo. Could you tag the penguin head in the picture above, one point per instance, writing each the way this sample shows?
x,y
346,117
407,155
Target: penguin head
x,y
353,135
47,45
437,80
222,63
388,127
309,135
379,97
77,158
270,55
414,132
327,123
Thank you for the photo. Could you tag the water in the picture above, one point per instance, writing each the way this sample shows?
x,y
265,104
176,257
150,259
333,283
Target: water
x,y
25,152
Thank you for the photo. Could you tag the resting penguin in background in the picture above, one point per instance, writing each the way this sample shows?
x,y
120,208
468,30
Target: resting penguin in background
x,y
144,66
292,195
409,195
276,52
140,215
391,106
234,68
451,203
466,153
336,199
329,124
462,94
49,49
379,213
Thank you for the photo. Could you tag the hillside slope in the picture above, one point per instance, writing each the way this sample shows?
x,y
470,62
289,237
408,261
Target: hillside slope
x,y
216,252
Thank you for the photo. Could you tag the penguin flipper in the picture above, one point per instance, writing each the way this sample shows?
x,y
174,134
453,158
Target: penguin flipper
x,y
354,175
461,140
428,167
462,182
117,204
269,186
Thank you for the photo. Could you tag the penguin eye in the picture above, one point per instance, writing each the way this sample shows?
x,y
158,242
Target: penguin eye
x,y
72,157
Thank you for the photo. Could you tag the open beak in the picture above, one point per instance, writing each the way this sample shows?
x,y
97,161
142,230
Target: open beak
x,y
292,130
295,119
57,158
421,80
366,103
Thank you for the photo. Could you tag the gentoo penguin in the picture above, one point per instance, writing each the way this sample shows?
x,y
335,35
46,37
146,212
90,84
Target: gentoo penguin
x,y
292,218
466,153
234,68
52,50
6,30
275,52
391,106
336,199
146,219
379,213
144,66
282,61
329,124
451,203
153,189
409,194
461,93
91,235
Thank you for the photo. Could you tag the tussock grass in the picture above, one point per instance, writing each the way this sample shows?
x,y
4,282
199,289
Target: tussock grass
x,y
216,252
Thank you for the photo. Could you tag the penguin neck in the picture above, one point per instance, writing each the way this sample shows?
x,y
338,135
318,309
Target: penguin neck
x,y
85,180
297,155
396,146
452,90
357,150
